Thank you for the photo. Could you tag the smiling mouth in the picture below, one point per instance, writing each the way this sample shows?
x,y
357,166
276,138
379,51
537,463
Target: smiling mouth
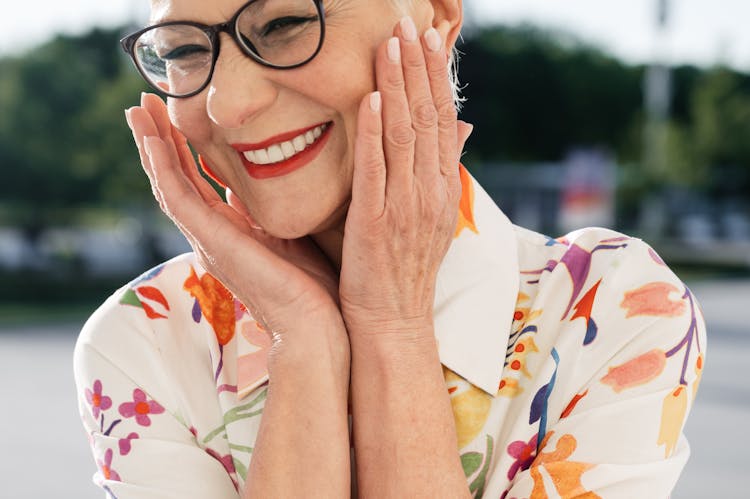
x,y
284,150
284,153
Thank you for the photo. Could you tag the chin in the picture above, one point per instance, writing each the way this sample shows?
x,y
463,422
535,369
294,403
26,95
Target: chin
x,y
296,225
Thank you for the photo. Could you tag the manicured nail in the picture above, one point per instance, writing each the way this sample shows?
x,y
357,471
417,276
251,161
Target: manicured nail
x,y
434,42
143,98
394,49
375,101
408,29
127,117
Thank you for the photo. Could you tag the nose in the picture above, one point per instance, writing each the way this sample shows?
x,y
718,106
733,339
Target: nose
x,y
239,88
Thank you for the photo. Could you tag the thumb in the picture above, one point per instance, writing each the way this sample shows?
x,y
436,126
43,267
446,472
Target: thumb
x,y
236,203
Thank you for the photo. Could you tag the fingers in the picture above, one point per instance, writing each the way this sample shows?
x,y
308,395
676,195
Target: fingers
x,y
398,136
369,177
424,115
442,96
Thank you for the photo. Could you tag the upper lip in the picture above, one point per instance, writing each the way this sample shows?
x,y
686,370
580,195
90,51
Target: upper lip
x,y
276,139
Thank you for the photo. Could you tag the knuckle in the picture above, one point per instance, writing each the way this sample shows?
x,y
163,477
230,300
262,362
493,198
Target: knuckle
x,y
414,62
394,81
438,72
401,135
425,115
447,112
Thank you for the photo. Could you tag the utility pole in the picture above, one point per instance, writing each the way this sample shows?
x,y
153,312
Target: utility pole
x,y
657,91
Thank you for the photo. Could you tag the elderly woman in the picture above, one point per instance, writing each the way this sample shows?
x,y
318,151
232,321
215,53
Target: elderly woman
x,y
359,318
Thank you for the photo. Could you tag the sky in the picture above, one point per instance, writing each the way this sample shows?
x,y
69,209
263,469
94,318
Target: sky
x,y
701,32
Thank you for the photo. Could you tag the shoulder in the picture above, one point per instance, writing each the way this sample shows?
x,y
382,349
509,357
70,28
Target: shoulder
x,y
609,287
137,326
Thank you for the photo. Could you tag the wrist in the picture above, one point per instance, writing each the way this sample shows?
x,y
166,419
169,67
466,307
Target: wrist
x,y
395,346
313,347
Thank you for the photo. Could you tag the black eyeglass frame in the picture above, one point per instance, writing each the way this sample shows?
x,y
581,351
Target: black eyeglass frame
x,y
212,32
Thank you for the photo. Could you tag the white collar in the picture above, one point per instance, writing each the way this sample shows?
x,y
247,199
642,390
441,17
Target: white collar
x,y
475,296
477,289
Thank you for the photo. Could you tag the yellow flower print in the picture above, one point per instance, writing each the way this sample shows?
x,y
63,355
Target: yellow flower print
x,y
471,407
673,412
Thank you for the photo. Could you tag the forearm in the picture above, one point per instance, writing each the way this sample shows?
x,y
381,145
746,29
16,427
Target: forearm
x,y
302,448
404,433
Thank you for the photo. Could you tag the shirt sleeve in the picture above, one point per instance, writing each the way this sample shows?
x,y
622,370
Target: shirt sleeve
x,y
613,411
142,448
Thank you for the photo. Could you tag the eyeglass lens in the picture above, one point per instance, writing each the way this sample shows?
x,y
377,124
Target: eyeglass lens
x,y
178,58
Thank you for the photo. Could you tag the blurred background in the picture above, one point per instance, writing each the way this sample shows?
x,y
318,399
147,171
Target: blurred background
x,y
630,114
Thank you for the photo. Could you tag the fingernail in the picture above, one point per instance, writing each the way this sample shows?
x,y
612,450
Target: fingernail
x,y
408,29
434,42
143,98
127,117
375,101
394,49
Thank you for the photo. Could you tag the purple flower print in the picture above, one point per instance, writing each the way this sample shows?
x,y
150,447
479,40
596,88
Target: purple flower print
x,y
96,400
524,453
105,467
124,443
140,408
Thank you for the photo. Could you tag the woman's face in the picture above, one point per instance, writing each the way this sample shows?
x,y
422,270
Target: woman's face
x,y
247,104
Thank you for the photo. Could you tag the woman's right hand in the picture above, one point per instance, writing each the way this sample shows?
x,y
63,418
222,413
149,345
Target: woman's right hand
x,y
287,285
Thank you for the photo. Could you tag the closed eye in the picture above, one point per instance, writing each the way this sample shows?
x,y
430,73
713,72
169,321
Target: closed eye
x,y
283,23
184,51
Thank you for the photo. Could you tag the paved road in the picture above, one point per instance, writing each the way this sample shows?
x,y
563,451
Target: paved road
x,y
43,451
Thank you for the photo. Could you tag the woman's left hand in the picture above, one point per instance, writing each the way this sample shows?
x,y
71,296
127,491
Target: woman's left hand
x,y
405,193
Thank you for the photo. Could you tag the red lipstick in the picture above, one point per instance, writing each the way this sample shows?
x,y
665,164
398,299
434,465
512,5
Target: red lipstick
x,y
286,166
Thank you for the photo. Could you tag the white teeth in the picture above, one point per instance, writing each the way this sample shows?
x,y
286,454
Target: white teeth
x,y
288,149
275,154
261,157
285,150
299,143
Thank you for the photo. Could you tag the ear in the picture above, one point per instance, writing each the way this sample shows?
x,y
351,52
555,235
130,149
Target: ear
x,y
448,18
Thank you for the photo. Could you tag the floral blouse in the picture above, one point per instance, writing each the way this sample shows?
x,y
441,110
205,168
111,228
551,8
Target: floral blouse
x,y
570,363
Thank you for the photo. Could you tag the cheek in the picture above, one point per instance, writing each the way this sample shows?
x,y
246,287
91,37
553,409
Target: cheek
x,y
190,118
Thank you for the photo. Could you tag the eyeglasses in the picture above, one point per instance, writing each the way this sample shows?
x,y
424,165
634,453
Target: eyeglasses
x,y
178,58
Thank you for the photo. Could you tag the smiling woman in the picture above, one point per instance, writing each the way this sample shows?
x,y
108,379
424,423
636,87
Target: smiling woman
x,y
357,274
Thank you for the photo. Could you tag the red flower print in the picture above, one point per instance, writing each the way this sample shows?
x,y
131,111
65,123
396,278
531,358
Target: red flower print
x,y
524,453
140,408
105,467
96,400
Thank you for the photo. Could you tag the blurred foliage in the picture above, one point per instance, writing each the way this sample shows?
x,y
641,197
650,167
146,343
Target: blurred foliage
x,y
63,137
533,95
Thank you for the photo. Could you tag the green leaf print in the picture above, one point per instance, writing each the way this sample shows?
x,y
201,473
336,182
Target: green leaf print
x,y
477,486
240,468
130,298
471,461
238,413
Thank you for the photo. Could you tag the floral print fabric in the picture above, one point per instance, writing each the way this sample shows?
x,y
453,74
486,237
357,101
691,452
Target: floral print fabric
x,y
570,363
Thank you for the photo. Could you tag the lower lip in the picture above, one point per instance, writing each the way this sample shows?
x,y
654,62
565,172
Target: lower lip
x,y
288,165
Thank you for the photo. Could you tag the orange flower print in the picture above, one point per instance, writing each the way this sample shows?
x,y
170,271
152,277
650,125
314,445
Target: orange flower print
x,y
466,205
509,388
673,412
216,304
566,475
698,374
653,299
637,371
